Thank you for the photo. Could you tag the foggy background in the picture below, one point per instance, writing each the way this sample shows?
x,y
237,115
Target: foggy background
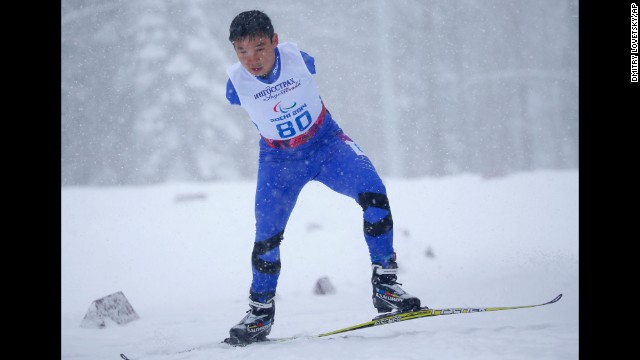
x,y
426,88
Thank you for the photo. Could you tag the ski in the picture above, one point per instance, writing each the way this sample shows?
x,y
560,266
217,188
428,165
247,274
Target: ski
x,y
383,319
395,317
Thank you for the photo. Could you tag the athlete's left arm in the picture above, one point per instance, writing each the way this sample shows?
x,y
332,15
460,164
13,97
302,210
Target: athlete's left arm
x,y
308,59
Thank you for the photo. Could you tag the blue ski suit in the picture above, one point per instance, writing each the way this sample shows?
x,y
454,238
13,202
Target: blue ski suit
x,y
328,156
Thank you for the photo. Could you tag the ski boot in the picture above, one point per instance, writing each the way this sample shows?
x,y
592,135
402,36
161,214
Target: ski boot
x,y
387,294
255,326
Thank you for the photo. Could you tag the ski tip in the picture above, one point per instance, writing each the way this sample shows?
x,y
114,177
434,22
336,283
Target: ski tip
x,y
555,299
124,357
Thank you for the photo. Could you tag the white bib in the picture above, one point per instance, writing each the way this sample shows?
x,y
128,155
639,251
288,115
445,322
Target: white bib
x,y
286,108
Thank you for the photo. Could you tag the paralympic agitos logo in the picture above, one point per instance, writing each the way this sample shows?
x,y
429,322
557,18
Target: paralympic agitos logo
x,y
283,108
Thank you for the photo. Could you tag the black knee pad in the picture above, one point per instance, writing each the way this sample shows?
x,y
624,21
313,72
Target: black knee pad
x,y
369,199
263,247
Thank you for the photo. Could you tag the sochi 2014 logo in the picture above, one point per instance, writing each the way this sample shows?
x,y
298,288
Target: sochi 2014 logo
x,y
283,107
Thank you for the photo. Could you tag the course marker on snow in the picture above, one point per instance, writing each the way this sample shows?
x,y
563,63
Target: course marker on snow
x,y
114,308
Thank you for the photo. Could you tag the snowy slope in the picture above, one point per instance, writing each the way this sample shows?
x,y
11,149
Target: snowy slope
x,y
181,255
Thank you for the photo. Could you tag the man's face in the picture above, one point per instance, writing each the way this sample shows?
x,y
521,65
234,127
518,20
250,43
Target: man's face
x,y
257,54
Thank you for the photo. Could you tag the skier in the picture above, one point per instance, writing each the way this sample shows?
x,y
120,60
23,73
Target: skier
x,y
300,142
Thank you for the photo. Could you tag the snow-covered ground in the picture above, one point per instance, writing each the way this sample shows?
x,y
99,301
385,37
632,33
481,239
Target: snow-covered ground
x,y
181,253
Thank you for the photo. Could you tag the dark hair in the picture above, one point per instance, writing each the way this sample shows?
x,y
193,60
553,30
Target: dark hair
x,y
250,24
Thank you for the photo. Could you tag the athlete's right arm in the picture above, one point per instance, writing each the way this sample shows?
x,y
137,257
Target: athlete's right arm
x,y
232,95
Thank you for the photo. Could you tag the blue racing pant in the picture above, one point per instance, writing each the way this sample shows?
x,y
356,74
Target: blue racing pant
x,y
333,159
